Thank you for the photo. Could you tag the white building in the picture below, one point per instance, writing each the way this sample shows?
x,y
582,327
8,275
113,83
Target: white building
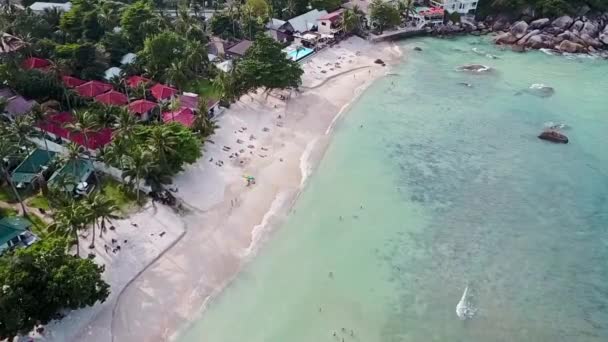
x,y
39,7
460,6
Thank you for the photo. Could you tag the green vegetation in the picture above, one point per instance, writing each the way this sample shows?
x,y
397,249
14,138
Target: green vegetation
x,y
6,212
39,201
384,15
40,281
117,193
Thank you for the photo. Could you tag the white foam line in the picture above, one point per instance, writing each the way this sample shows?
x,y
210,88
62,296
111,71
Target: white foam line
x,y
258,231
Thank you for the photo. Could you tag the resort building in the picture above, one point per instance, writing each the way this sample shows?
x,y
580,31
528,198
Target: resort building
x,y
15,232
279,30
330,23
40,7
461,6
306,22
32,167
239,49
74,177
15,104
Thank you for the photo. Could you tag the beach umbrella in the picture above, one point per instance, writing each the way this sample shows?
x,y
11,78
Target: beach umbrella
x,y
35,63
134,81
113,98
161,91
141,106
93,88
71,81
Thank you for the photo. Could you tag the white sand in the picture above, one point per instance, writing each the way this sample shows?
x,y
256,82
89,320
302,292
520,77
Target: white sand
x,y
228,221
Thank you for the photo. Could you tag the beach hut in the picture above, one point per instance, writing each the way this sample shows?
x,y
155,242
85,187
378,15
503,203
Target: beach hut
x,y
112,98
15,232
239,49
93,88
185,116
75,175
189,100
142,108
26,172
55,125
71,81
162,92
35,63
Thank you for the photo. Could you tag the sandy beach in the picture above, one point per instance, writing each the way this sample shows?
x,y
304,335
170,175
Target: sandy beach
x,y
225,221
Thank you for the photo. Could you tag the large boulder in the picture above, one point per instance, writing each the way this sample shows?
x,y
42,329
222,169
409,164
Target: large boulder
x,y
571,47
590,41
552,30
571,37
500,25
519,29
604,36
563,22
590,28
505,38
525,38
541,41
577,26
539,23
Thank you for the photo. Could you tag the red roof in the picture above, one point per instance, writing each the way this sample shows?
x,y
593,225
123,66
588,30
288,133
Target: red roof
x,y
55,124
71,81
161,91
185,116
35,63
93,88
333,16
113,98
141,106
134,81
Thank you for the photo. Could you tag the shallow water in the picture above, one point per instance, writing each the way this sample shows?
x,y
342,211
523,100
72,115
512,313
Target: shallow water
x,y
430,186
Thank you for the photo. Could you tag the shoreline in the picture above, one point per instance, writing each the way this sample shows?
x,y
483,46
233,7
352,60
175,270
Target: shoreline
x,y
229,223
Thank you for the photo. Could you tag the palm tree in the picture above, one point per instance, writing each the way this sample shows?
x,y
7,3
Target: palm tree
x,y
85,123
162,142
101,209
350,21
69,220
125,124
138,164
9,149
73,156
38,116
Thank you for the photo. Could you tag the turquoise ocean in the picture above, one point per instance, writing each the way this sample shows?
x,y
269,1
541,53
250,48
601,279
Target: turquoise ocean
x,y
429,186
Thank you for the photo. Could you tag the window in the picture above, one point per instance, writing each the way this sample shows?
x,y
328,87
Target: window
x,y
323,23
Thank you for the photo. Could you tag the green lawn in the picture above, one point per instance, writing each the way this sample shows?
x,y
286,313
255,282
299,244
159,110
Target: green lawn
x,y
40,202
204,88
123,199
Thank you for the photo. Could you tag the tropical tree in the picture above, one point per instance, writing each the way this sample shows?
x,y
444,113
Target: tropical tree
x,y
350,21
139,21
8,150
101,210
41,281
69,220
384,15
85,123
138,164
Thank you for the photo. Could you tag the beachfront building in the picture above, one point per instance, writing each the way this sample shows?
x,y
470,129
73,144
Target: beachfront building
x,y
427,16
32,167
40,7
15,232
460,6
239,49
74,177
306,22
279,30
330,23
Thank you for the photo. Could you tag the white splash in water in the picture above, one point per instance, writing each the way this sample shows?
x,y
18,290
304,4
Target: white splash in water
x,y
464,308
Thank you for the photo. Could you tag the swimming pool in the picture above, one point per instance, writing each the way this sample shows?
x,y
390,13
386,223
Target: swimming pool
x,y
296,55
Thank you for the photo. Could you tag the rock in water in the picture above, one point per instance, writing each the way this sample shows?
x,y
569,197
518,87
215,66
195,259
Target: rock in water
x,y
506,38
464,308
541,90
568,46
474,68
417,48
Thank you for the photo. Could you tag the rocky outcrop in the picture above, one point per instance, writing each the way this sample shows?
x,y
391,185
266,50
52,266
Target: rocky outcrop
x,y
571,47
539,24
582,34
519,29
563,22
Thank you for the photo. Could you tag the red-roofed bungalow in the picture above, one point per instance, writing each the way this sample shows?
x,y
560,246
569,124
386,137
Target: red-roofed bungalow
x,y
135,81
112,98
35,63
162,92
141,107
185,116
93,88
71,81
55,124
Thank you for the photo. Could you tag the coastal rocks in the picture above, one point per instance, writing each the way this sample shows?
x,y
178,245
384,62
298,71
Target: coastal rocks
x,y
590,28
563,22
569,36
416,48
519,29
540,41
500,25
525,38
590,41
518,48
539,24
577,26
603,37
571,47
475,68
506,38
